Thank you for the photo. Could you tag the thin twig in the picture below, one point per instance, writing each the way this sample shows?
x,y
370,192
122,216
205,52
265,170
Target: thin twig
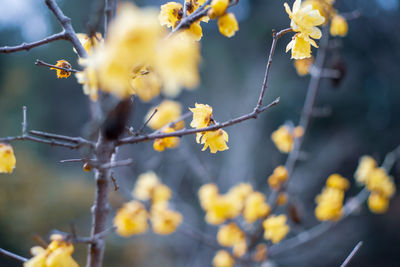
x,y
195,16
114,164
138,132
27,46
42,63
24,121
116,186
76,140
352,254
12,255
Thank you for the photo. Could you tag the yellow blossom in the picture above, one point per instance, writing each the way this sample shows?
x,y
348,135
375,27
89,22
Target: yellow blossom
x,y
146,84
215,140
284,136
278,177
161,194
228,25
282,199
378,203
329,204
7,158
163,220
167,112
171,13
89,42
378,181
240,191
207,193
223,207
325,7
338,182
300,47
218,8
366,165
303,66
88,78
261,253
231,236
275,228
339,26
57,254
62,73
145,185
202,116
168,142
195,31
255,207
177,63
223,259
131,219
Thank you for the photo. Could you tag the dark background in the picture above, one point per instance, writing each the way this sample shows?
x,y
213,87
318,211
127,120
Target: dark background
x,y
43,194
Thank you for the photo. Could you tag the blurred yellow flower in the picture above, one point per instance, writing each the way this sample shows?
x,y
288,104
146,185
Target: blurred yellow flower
x,y
57,253
378,181
62,73
240,191
223,259
207,193
161,194
202,116
282,199
366,165
275,228
145,185
230,235
278,177
215,140
163,220
324,7
89,42
339,26
223,207
255,207
7,158
378,203
168,142
167,112
228,25
88,78
131,219
337,181
145,83
284,136
303,66
218,8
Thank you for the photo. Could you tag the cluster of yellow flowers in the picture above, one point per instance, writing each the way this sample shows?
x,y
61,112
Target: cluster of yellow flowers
x,y
57,253
275,228
7,158
304,19
378,182
230,235
132,217
168,111
62,73
171,16
284,137
330,201
278,178
138,58
215,140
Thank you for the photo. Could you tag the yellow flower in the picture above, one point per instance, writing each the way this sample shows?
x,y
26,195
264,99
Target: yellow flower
x,y
163,220
283,138
300,47
167,112
88,78
223,207
231,236
218,8
177,63
275,228
255,207
223,259
171,13
378,181
240,191
207,193
378,203
339,26
366,165
338,182
195,31
228,25
215,140
146,84
62,73
278,177
7,158
202,116
329,204
57,254
131,219
168,142
303,66
282,199
89,43
145,185
161,194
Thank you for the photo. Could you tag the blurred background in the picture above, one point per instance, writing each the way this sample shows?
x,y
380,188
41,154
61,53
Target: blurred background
x,y
43,194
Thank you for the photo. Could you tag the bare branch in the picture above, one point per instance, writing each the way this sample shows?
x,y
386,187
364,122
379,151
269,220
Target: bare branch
x,y
24,122
138,132
115,183
42,63
155,135
76,140
352,254
114,164
27,46
12,255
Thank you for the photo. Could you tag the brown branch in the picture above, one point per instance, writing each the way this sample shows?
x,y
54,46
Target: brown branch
x,y
42,63
27,46
186,21
352,254
76,140
155,135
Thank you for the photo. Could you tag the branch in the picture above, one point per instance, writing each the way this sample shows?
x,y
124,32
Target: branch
x,y
186,21
42,63
351,255
76,140
27,46
12,255
155,135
